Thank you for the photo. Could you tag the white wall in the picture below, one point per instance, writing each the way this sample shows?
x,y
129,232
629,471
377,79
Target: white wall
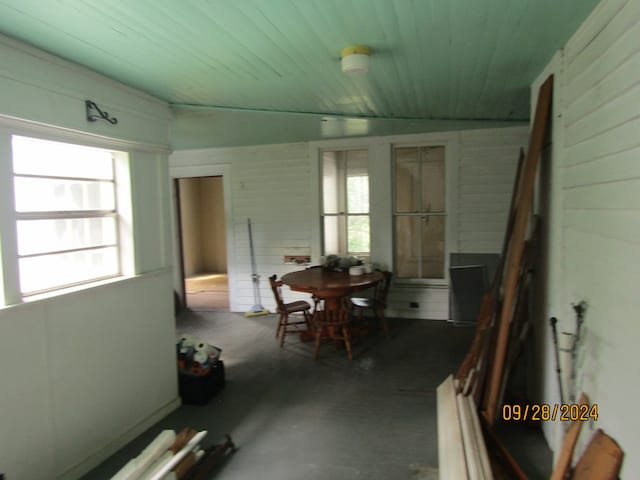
x,y
277,187
597,164
83,373
488,162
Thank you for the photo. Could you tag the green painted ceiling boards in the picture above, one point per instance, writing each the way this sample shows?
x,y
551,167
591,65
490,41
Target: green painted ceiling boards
x,y
431,59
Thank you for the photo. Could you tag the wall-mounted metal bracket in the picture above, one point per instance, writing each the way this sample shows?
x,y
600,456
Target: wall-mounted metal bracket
x,y
92,117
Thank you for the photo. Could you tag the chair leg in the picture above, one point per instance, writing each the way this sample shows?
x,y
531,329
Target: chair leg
x,y
383,322
318,333
285,322
347,341
279,326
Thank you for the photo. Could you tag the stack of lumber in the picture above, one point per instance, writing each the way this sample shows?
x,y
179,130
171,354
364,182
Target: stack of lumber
x,y
462,451
469,401
172,456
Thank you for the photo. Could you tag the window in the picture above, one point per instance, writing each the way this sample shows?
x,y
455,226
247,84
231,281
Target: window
x,y
345,200
419,212
66,210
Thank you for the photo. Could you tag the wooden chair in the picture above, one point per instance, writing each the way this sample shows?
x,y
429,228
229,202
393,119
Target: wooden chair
x,y
333,325
377,303
284,309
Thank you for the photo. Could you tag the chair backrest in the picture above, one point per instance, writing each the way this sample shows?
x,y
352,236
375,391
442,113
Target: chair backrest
x,y
276,286
382,288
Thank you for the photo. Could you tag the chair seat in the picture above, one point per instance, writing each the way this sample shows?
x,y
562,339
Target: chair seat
x,y
376,303
298,306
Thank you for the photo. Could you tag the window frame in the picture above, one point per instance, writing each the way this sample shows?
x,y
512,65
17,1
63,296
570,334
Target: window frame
x,y
72,215
396,215
342,217
382,193
9,216
450,144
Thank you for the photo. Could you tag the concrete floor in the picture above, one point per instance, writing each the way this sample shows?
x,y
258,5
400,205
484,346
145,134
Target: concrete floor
x,y
292,417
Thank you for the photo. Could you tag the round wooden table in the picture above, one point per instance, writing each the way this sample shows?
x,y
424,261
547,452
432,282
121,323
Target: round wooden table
x,y
329,285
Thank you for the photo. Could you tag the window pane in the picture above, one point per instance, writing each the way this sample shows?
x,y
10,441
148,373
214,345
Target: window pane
x,y
357,161
433,246
433,180
331,236
407,180
44,194
407,246
345,191
49,271
358,238
420,246
330,182
358,194
33,156
42,236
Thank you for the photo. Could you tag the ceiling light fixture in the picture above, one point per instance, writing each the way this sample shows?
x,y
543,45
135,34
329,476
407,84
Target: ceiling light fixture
x,y
355,59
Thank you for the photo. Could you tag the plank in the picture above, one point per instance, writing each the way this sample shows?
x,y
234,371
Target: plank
x,y
469,440
479,438
516,248
488,304
520,324
601,460
451,459
563,464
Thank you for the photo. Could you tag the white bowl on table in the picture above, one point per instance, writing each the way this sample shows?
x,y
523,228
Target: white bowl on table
x,y
356,270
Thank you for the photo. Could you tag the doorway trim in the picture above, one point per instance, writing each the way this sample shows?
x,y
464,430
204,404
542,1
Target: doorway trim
x,y
191,171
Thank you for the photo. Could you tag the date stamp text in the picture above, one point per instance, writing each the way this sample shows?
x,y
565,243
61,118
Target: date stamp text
x,y
545,412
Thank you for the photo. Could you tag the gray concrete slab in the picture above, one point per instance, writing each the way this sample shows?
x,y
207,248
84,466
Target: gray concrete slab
x,y
293,417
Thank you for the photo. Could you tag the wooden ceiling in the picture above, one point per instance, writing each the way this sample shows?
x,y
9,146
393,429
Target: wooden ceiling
x,y
464,60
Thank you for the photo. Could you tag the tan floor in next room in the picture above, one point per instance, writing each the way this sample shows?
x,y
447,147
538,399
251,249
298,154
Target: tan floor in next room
x,y
207,292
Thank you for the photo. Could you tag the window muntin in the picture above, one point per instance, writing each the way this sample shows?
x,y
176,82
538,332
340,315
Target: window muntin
x,y
66,214
345,200
420,212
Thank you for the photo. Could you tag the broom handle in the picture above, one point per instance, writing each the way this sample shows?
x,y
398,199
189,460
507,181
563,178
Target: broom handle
x,y
254,273
254,268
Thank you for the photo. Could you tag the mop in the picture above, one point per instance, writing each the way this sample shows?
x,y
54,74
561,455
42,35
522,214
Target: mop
x,y
257,308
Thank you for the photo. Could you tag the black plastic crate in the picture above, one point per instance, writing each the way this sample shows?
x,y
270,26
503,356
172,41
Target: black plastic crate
x,y
200,389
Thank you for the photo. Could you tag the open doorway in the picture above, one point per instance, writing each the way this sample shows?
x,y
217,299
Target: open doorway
x,y
203,246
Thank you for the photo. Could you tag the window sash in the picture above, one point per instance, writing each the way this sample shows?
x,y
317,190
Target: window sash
x,y
339,235
419,244
79,228
341,206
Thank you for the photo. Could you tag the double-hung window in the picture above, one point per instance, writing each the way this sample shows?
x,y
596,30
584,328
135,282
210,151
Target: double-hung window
x,y
66,211
345,200
420,212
